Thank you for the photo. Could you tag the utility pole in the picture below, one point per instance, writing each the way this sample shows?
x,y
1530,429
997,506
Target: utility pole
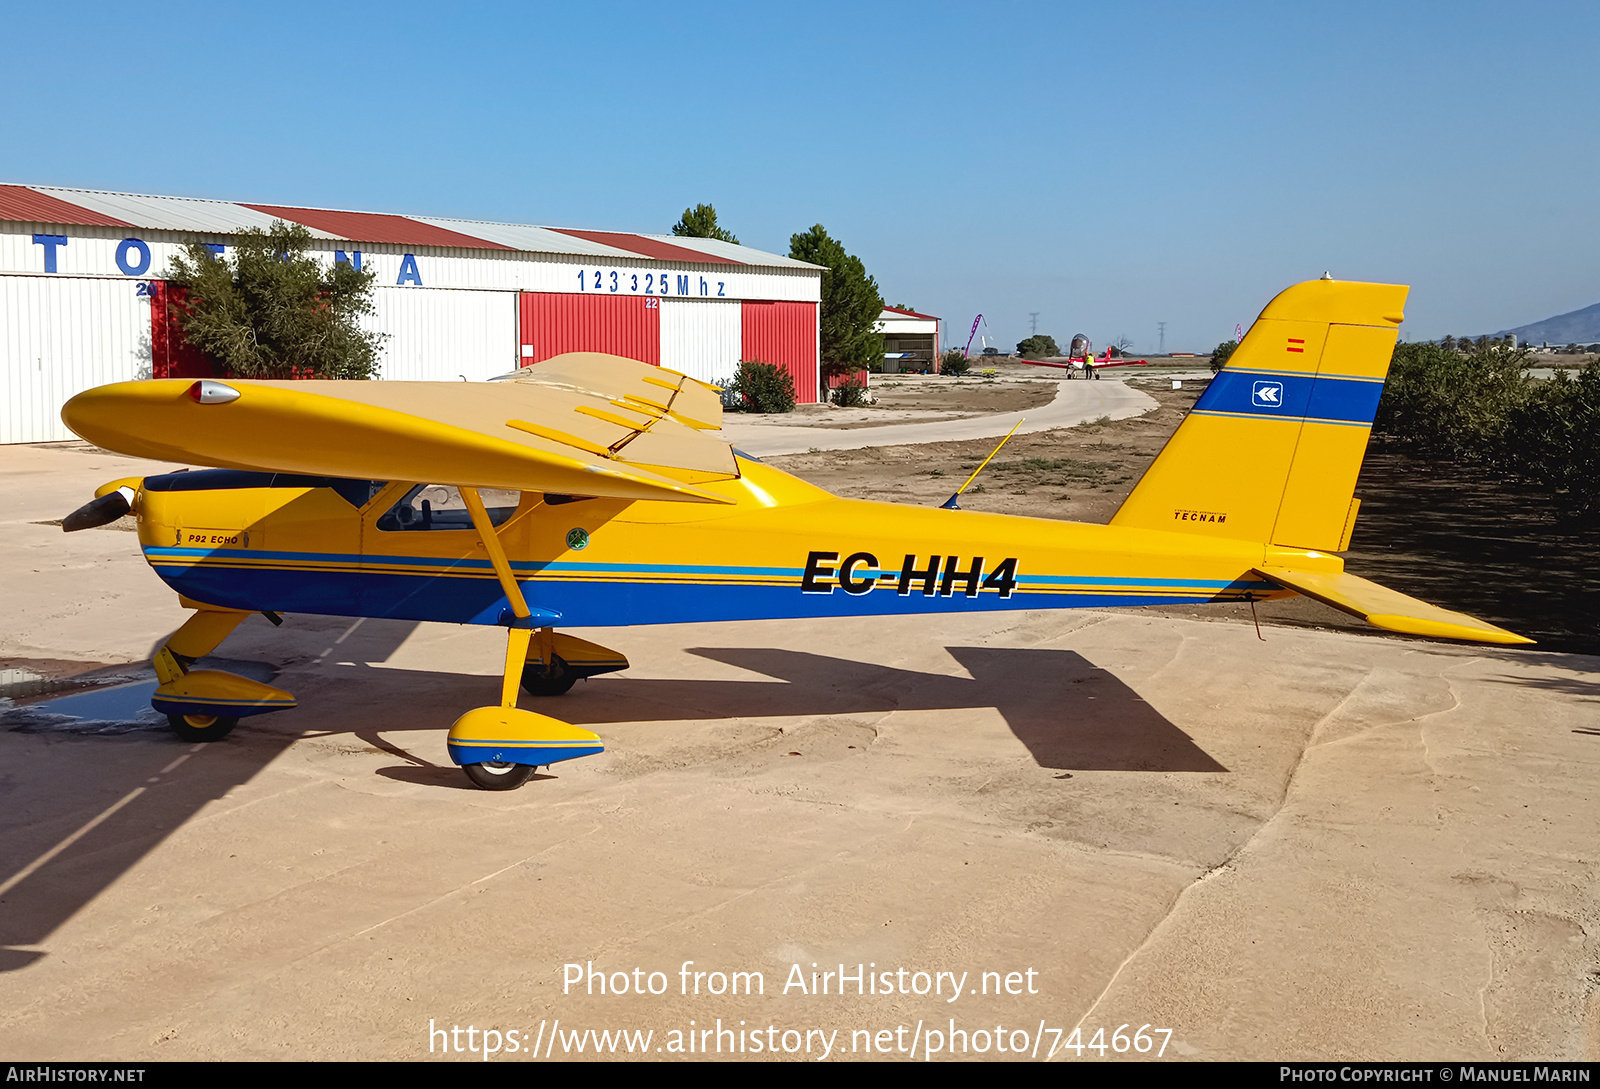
x,y
1033,323
1161,325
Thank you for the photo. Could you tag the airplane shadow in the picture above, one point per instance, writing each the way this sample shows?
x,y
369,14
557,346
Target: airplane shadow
x,y
68,841
1070,714
84,820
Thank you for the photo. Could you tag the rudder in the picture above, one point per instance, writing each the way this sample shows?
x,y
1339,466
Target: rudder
x,y
1272,449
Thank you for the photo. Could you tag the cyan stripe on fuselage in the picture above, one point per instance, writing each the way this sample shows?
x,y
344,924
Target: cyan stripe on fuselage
x,y
464,591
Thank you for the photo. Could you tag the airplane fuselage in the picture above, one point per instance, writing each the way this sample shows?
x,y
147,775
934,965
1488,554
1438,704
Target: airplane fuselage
x,y
784,549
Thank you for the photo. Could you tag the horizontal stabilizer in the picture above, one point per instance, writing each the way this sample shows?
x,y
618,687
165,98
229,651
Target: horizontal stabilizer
x,y
1388,609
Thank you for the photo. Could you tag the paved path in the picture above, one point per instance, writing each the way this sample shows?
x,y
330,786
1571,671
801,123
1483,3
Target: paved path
x,y
1075,403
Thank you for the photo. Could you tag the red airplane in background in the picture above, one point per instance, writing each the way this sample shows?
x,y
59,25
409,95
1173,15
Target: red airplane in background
x,y
1080,355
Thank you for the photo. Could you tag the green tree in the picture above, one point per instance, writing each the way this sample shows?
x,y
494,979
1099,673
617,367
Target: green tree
x,y
274,312
701,222
851,304
1219,355
1038,347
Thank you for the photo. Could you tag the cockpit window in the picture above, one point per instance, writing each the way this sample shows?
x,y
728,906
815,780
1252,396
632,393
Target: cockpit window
x,y
440,506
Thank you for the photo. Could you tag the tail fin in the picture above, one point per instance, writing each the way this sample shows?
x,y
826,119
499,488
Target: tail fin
x,y
1271,450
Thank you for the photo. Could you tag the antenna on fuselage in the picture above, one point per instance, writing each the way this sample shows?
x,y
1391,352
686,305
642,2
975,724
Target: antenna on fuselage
x,y
951,504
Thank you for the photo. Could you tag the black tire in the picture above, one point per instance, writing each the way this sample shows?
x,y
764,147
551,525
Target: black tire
x,y
201,727
498,776
536,682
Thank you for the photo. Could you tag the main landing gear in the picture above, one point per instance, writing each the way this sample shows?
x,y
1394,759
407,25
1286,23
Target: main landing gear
x,y
499,747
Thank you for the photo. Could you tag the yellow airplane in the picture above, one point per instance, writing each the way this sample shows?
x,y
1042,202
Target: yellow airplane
x,y
594,491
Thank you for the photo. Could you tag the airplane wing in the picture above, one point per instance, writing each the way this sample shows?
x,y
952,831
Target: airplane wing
x,y
579,424
1388,609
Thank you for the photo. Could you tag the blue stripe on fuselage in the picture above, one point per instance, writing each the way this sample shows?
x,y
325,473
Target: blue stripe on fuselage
x,y
1297,397
407,595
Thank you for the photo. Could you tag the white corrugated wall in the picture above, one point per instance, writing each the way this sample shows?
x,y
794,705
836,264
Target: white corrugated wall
x,y
701,337
59,337
438,335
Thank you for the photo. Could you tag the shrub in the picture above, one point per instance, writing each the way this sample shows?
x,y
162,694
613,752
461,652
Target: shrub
x,y
1219,356
850,395
955,363
762,387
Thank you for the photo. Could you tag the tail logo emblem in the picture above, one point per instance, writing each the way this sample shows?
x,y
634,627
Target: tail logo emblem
x,y
1267,394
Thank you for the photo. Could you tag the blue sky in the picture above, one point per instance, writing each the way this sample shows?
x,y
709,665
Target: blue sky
x,y
1108,165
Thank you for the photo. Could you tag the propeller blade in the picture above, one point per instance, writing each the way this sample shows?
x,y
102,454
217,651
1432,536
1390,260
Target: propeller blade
x,y
98,512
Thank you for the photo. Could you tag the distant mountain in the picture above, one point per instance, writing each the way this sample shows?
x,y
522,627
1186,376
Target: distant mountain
x,y
1580,327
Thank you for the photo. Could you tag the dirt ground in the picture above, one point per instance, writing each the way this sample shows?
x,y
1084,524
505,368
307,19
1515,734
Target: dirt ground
x,y
1079,475
908,398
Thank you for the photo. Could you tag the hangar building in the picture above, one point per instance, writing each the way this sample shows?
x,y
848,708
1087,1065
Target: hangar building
x,y
910,341
80,295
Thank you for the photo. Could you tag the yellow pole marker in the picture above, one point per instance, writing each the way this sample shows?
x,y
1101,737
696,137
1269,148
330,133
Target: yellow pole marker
x,y
950,504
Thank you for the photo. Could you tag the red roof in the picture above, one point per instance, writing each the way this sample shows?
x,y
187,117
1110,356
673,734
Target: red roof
x,y
646,247
20,202
70,207
376,227
910,313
